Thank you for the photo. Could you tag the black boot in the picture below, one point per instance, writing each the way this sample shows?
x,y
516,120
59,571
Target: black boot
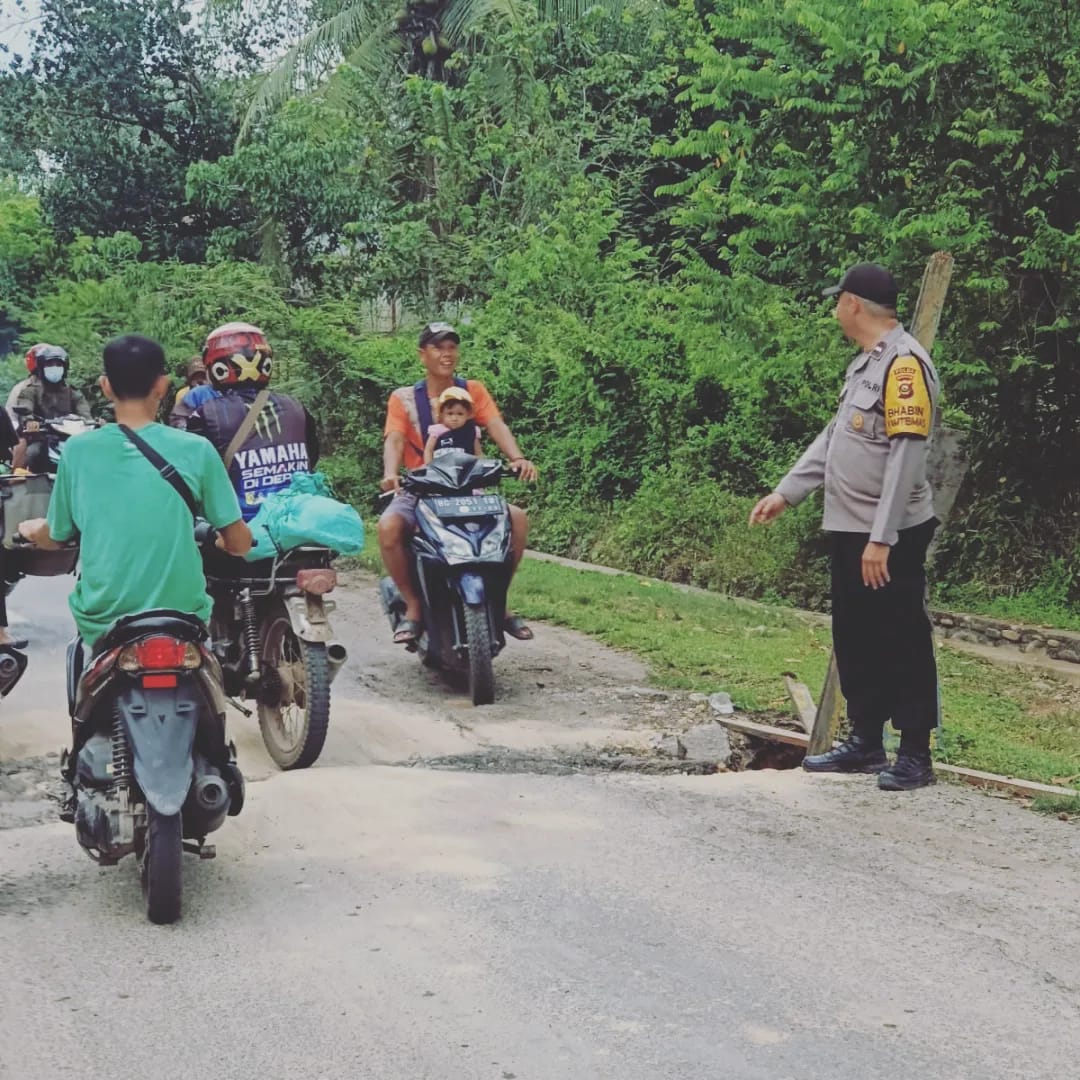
x,y
912,770
859,753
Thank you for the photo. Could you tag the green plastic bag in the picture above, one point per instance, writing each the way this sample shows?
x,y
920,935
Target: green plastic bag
x,y
305,513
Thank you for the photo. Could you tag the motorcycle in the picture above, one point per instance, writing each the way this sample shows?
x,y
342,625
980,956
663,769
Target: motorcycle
x,y
23,498
271,633
45,438
149,771
461,562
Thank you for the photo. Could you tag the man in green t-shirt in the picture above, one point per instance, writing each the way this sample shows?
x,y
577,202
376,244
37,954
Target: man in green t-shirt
x,y
135,532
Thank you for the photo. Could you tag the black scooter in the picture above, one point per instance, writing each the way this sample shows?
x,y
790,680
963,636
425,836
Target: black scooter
x,y
462,564
149,772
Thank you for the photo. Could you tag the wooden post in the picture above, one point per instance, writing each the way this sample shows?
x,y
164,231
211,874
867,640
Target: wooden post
x,y
924,328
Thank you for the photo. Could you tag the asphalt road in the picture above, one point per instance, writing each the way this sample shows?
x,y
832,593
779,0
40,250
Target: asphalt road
x,y
370,920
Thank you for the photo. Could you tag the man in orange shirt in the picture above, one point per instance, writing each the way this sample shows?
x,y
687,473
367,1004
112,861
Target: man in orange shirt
x,y
404,437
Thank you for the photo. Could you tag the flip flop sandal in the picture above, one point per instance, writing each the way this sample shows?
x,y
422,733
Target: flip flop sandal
x,y
408,632
516,627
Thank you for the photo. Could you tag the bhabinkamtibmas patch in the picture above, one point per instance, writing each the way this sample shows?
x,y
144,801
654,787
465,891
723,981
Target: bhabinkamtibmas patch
x,y
907,399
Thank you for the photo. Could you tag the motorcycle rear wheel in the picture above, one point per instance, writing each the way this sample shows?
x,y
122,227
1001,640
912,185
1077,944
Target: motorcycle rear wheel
x,y
295,720
481,671
162,858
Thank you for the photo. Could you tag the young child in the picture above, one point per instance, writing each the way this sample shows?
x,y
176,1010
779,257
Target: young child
x,y
456,429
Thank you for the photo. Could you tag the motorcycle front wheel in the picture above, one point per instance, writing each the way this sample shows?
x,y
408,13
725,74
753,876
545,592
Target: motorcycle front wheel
x,y
293,695
481,671
162,857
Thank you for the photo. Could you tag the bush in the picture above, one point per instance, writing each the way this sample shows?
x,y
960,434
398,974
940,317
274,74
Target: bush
x,y
681,528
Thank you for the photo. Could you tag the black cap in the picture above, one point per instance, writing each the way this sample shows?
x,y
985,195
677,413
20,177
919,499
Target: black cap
x,y
868,281
437,331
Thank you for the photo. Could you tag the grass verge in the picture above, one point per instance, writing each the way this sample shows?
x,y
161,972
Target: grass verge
x,y
1015,721
998,718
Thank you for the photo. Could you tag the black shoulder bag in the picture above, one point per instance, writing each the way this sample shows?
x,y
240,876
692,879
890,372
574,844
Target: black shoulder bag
x,y
167,472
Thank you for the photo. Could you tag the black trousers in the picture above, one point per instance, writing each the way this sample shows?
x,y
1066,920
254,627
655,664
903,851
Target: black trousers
x,y
883,638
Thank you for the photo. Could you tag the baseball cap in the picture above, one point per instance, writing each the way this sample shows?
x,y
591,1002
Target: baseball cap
x,y
868,281
437,331
454,393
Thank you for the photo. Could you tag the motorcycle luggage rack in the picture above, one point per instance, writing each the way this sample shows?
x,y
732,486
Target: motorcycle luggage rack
x,y
262,585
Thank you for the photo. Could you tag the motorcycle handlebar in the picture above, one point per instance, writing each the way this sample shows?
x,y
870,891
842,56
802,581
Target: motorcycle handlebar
x,y
506,473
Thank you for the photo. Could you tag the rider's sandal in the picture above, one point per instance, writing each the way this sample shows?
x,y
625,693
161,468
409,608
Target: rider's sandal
x,y
408,632
516,627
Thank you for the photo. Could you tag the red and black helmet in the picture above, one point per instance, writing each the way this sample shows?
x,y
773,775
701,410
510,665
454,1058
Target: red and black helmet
x,y
31,356
238,354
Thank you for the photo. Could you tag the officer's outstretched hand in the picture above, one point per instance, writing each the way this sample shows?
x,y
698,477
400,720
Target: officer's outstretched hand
x,y
770,508
875,565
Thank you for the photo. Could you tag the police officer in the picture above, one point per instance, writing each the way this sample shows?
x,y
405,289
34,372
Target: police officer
x,y
871,460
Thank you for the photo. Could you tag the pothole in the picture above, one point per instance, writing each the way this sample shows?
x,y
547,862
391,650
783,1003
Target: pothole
x,y
566,762
685,748
29,791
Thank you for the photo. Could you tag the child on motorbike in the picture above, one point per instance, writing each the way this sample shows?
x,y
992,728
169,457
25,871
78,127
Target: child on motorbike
x,y
456,429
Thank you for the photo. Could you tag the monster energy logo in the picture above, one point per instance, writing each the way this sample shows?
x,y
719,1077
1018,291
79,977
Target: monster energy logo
x,y
268,423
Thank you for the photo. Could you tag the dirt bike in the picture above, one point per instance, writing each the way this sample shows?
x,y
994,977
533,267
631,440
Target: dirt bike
x,y
149,772
271,632
462,565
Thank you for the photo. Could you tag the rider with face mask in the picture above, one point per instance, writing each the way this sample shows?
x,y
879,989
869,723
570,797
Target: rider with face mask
x,y
46,394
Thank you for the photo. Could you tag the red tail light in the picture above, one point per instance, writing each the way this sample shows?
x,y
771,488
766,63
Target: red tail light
x,y
160,654
317,582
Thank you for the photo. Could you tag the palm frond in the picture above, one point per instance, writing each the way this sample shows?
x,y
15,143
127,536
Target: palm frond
x,y
308,59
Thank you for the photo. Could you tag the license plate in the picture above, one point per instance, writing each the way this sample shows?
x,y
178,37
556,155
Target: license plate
x,y
455,506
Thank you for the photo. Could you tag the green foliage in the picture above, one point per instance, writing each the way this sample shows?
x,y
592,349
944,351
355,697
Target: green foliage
x,y
116,99
635,271
26,247
680,527
823,133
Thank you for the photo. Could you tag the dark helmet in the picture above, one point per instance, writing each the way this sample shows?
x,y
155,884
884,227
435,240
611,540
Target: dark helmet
x,y
31,356
238,354
46,354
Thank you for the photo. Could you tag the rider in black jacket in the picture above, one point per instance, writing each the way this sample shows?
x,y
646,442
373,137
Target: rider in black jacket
x,y
283,440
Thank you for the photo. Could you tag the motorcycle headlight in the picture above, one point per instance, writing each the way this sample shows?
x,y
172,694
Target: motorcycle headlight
x,y
456,548
493,542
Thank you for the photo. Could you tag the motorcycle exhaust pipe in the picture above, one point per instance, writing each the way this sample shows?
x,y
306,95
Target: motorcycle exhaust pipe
x,y
211,795
336,655
207,805
12,666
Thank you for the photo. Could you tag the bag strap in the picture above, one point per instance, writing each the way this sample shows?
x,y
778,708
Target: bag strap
x,y
245,429
167,472
423,406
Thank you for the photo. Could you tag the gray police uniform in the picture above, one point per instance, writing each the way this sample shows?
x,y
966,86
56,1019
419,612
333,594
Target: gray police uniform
x,y
871,460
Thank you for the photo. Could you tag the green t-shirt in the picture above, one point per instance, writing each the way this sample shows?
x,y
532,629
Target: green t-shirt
x,y
137,546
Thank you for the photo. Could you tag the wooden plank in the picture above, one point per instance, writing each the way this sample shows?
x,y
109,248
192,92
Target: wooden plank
x,y
924,328
826,724
931,299
1004,783
800,696
764,731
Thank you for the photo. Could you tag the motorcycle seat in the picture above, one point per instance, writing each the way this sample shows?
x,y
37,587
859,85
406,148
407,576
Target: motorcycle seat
x,y
131,628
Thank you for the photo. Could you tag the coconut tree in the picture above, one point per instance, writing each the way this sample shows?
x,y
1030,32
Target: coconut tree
x,y
390,38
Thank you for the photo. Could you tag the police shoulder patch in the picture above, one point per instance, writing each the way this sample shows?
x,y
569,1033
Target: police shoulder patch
x,y
908,408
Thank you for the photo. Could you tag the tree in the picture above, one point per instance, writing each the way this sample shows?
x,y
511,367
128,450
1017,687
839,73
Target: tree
x,y
419,38
115,101
825,133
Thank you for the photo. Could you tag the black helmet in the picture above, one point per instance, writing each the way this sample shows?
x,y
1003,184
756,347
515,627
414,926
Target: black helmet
x,y
50,355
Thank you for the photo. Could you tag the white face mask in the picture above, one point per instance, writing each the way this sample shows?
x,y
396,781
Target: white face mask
x,y
53,374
